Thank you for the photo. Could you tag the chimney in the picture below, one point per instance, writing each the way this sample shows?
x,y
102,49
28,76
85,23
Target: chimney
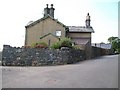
x,y
52,11
46,10
87,20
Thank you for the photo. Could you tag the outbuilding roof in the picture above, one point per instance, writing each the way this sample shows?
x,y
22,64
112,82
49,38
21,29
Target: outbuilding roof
x,y
80,29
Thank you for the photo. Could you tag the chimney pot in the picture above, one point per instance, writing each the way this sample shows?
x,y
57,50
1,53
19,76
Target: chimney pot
x,y
88,14
47,5
51,5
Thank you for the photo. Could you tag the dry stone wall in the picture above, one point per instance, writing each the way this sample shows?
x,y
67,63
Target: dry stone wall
x,y
12,56
96,52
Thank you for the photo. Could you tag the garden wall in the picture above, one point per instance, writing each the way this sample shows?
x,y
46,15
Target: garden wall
x,y
37,57
96,52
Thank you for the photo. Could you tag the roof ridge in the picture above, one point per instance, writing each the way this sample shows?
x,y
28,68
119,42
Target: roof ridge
x,y
80,29
39,20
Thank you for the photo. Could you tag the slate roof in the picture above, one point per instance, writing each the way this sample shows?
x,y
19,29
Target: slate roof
x,y
80,29
104,46
70,28
45,17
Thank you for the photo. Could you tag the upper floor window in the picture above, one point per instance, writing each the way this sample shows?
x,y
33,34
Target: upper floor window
x,y
58,33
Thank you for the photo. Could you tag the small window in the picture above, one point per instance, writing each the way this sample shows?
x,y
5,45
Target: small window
x,y
58,33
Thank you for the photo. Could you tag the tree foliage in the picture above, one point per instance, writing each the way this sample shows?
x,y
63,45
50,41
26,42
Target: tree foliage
x,y
115,41
111,39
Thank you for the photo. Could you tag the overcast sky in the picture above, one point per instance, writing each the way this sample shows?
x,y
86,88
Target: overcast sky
x,y
15,14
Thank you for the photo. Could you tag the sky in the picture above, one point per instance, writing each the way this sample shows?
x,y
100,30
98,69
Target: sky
x,y
15,15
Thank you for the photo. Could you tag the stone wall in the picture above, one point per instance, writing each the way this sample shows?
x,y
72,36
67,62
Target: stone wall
x,y
37,57
96,52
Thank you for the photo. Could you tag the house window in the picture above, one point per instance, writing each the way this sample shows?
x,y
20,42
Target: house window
x,y
58,33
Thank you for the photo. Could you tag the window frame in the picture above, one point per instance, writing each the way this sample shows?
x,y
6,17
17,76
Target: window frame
x,y
58,33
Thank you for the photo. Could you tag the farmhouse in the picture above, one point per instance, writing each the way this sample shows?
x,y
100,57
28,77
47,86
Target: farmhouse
x,y
50,30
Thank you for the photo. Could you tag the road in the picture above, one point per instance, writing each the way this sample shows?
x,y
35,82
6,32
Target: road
x,y
97,73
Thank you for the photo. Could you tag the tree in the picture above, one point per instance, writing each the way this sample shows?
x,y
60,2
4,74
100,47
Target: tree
x,y
115,41
102,43
111,39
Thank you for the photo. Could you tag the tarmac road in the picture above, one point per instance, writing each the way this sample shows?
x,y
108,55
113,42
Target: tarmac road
x,y
97,73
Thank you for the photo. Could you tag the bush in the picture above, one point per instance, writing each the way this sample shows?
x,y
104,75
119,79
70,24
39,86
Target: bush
x,y
39,45
76,47
66,42
56,46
